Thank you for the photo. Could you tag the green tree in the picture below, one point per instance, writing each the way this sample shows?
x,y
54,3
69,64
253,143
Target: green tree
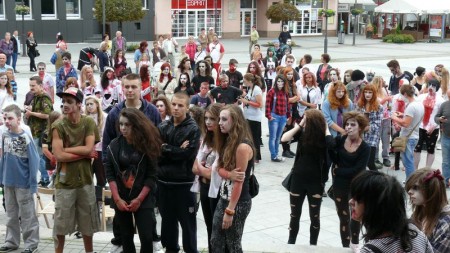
x,y
119,10
282,12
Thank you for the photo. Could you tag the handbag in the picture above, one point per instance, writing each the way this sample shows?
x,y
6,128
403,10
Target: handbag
x,y
287,181
399,143
253,184
36,54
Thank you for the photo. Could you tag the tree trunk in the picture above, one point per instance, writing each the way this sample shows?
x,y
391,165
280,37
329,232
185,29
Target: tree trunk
x,y
120,26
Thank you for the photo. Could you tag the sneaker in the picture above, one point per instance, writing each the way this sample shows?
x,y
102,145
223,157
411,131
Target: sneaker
x,y
30,250
157,246
287,154
292,153
116,249
378,163
5,248
387,162
278,159
354,247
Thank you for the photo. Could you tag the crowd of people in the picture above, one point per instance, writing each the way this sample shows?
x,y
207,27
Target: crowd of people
x,y
177,125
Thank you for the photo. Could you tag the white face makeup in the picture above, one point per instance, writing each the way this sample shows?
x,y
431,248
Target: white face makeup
x,y
416,195
352,128
333,76
225,121
368,94
125,127
210,121
91,106
348,78
340,93
280,83
290,75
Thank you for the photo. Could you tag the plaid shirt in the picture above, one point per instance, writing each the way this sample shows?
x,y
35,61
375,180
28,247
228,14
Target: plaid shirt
x,y
281,106
440,239
372,137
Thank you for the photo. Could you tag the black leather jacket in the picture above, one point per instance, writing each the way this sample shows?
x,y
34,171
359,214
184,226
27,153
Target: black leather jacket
x,y
175,165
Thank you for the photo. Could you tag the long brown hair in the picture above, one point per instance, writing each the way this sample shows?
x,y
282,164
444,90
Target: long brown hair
x,y
292,82
8,84
334,101
444,80
100,122
314,133
214,110
373,103
227,144
145,137
166,103
427,215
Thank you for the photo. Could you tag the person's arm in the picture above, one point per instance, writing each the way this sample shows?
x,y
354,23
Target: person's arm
x,y
53,59
243,153
439,115
222,52
178,153
64,156
287,136
269,101
440,241
403,122
327,114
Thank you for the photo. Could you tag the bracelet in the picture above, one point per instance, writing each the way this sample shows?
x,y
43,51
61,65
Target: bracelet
x,y
229,211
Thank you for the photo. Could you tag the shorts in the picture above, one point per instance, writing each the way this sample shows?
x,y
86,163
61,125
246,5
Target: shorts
x,y
76,210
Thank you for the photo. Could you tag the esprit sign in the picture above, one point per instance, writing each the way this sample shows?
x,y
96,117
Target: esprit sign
x,y
196,4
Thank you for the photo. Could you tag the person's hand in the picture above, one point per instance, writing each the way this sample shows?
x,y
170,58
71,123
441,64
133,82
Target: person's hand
x,y
442,119
122,205
237,175
53,161
27,113
343,132
185,144
303,121
313,106
134,205
271,119
93,154
227,221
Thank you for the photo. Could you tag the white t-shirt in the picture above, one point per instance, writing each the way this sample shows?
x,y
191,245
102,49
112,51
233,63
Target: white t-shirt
x,y
250,112
415,110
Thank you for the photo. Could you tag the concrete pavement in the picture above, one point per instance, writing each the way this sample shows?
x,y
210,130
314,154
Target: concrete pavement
x,y
266,228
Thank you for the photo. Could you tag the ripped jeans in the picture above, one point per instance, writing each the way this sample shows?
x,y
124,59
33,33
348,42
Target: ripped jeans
x,y
348,228
314,194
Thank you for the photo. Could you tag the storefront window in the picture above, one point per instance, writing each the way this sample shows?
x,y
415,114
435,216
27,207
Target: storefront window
x,y
2,9
27,3
189,17
144,5
73,8
309,21
48,9
248,3
302,3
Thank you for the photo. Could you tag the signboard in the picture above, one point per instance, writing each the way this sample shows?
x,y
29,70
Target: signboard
x,y
343,8
196,4
436,26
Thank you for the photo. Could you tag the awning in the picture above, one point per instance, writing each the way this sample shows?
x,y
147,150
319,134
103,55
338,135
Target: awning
x,y
415,7
363,2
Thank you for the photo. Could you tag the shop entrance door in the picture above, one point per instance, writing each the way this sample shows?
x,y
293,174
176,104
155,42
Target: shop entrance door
x,y
195,22
248,19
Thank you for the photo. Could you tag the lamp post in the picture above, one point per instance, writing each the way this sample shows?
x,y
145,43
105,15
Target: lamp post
x,y
103,17
24,54
354,25
325,41
215,17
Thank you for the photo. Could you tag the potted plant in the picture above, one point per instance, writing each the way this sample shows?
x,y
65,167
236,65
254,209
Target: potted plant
x,y
327,13
22,9
375,32
356,12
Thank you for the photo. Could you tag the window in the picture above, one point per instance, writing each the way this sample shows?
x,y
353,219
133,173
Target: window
x,y
2,9
73,8
144,5
48,9
27,3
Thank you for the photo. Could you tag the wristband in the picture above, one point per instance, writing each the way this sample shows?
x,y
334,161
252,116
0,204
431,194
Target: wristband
x,y
229,211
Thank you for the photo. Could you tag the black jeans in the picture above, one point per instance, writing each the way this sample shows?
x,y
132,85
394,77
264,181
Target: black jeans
x,y
99,170
348,227
371,163
255,128
144,227
177,205
208,208
32,63
314,194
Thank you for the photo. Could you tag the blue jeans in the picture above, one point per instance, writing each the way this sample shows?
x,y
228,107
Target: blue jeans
x,y
276,126
408,157
445,144
42,170
14,60
8,59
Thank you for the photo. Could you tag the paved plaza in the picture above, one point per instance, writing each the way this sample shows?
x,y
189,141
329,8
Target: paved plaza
x,y
266,228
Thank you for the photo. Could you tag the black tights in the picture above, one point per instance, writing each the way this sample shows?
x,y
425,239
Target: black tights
x,y
371,163
314,195
347,226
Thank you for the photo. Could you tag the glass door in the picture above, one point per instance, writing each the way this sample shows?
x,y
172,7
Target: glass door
x,y
248,19
191,23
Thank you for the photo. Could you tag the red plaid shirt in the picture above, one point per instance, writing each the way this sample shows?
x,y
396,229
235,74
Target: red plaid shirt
x,y
281,107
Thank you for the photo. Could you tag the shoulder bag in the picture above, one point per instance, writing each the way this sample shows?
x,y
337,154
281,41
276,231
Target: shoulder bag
x,y
253,184
399,143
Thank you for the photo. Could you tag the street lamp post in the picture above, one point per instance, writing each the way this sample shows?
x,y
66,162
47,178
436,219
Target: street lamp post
x,y
354,25
24,50
103,17
325,41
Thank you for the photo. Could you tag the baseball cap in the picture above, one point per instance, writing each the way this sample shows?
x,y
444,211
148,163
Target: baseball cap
x,y
72,91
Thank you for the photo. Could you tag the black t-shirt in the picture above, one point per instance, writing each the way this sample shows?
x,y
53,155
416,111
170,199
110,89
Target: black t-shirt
x,y
394,86
189,90
129,159
198,80
226,96
236,78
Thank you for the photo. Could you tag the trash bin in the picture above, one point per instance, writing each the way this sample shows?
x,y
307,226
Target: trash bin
x,y
341,37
